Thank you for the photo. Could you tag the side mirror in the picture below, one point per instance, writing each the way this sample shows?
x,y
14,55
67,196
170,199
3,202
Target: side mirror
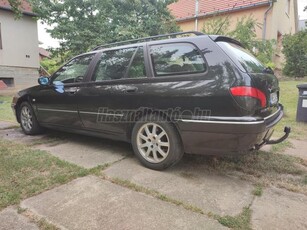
x,y
43,80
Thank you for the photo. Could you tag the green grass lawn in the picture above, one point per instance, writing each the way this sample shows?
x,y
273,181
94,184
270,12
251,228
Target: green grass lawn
x,y
25,172
6,112
289,98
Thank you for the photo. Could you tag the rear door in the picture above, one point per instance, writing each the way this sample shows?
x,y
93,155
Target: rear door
x,y
105,100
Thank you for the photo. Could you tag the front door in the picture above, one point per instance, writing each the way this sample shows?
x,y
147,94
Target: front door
x,y
56,103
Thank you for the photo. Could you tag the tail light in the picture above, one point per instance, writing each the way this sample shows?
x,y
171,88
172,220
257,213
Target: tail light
x,y
247,91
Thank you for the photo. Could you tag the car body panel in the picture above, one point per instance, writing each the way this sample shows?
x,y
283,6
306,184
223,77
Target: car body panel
x,y
56,108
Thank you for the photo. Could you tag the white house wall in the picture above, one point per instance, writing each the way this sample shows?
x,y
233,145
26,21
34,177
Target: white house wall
x,y
19,57
282,21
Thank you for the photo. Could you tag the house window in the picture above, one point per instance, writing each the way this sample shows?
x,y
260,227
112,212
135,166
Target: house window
x,y
0,38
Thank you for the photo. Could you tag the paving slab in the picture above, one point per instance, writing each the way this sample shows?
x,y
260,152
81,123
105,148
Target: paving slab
x,y
17,135
299,149
7,124
93,203
84,151
191,182
279,209
10,219
89,152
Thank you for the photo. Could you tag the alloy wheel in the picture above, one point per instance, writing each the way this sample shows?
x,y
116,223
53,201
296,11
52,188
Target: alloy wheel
x,y
26,118
153,143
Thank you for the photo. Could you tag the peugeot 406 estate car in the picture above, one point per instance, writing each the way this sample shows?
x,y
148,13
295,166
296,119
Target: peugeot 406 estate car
x,y
167,95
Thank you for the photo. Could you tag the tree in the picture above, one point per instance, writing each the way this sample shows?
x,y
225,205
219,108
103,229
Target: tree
x,y
305,9
295,51
57,59
15,4
217,25
83,24
245,33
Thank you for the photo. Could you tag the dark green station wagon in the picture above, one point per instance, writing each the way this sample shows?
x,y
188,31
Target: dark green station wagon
x,y
167,95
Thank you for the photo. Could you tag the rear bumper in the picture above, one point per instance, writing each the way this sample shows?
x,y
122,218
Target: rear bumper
x,y
220,135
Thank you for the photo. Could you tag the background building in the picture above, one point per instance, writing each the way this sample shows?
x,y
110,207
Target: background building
x,y
302,24
43,54
275,17
19,59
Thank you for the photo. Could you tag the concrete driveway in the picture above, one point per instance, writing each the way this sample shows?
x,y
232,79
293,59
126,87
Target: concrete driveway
x,y
129,196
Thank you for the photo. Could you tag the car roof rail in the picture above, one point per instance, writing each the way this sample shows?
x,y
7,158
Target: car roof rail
x,y
145,39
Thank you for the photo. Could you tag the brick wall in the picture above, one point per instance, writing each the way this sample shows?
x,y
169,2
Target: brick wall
x,y
22,77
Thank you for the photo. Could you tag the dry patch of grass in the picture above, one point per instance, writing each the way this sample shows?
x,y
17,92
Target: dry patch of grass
x,y
267,168
25,172
260,167
273,167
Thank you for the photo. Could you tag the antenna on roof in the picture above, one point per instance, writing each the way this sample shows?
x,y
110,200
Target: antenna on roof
x,y
225,19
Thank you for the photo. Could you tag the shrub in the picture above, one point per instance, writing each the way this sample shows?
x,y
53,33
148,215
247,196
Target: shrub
x,y
295,51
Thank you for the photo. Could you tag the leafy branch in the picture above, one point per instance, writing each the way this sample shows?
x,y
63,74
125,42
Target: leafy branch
x,y
15,6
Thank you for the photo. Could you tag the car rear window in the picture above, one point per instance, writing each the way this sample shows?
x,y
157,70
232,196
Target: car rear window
x,y
250,63
176,59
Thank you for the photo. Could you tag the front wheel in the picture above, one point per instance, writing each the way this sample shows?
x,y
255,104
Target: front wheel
x,y
156,142
28,121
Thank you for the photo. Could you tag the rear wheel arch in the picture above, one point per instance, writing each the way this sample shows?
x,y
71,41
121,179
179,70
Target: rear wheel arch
x,y
174,151
137,117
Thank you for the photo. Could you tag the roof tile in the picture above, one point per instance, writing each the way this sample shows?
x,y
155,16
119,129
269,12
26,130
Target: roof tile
x,y
25,5
186,8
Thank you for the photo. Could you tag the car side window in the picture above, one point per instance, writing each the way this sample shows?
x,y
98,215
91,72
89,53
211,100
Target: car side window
x,y
137,68
73,71
113,64
176,59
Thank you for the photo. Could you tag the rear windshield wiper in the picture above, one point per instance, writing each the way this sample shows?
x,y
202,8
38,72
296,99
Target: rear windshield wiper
x,y
268,70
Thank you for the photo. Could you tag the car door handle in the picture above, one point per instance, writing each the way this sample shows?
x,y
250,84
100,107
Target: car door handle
x,y
71,90
131,90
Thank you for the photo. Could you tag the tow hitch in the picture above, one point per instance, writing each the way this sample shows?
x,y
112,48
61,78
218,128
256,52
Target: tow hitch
x,y
267,141
287,131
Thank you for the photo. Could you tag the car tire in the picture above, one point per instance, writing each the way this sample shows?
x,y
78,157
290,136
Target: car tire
x,y
156,142
28,121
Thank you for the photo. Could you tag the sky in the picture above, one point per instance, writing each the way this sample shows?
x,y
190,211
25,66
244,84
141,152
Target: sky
x,y
301,5
45,38
48,41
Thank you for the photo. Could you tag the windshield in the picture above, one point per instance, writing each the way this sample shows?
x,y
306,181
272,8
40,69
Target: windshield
x,y
246,59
